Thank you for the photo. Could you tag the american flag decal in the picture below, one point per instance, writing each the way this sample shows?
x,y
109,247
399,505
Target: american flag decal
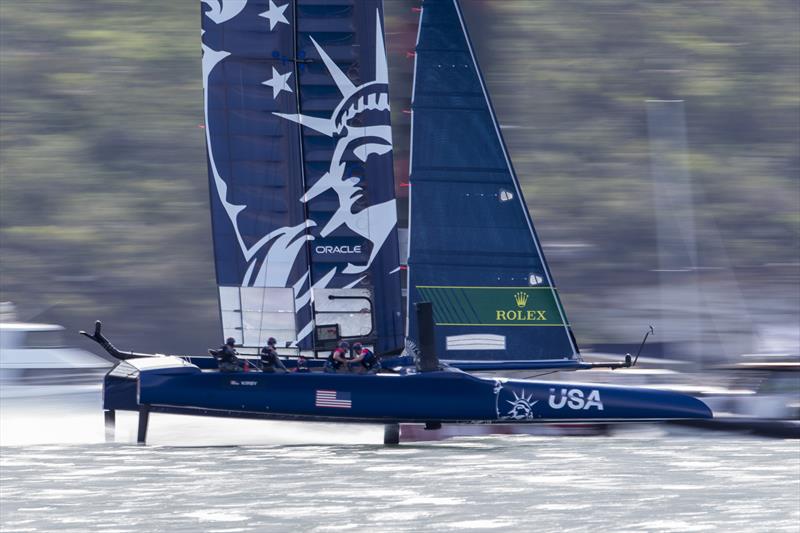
x,y
332,398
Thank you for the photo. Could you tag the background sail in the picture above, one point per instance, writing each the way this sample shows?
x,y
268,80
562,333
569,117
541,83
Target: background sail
x,y
300,169
473,251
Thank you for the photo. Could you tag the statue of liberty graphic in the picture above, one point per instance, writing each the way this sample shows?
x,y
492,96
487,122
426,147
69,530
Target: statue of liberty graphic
x,y
361,128
521,407
369,100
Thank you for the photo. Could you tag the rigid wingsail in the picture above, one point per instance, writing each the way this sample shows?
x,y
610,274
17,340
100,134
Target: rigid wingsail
x,y
299,146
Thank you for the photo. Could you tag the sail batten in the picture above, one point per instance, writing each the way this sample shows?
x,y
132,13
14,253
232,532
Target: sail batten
x,y
475,253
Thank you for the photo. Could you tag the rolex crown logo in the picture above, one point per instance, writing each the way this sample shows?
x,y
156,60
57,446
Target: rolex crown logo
x,y
521,298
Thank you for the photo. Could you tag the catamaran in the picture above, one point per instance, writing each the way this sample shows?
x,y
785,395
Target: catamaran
x,y
299,145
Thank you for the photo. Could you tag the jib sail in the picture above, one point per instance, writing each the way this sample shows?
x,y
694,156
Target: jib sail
x,y
300,166
473,250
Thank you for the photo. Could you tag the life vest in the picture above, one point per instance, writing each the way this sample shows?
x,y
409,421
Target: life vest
x,y
370,359
334,363
268,356
227,354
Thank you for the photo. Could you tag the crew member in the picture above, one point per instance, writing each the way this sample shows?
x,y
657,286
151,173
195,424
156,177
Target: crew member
x,y
338,358
302,365
226,356
269,357
368,360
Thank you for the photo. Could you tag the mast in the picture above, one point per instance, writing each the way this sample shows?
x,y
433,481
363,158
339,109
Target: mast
x,y
297,69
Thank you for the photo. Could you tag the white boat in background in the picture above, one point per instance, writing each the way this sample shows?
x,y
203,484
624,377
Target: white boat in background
x,y
774,391
34,361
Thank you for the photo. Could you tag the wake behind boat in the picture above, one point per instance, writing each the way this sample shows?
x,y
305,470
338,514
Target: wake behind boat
x,y
299,146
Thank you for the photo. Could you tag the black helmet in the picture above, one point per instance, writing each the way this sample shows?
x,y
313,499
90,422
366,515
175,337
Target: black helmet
x,y
272,341
357,347
230,341
344,345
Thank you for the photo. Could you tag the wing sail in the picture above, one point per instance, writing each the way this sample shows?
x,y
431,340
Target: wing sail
x,y
300,168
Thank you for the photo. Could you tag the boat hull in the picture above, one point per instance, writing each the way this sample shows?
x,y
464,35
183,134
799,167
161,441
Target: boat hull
x,y
443,396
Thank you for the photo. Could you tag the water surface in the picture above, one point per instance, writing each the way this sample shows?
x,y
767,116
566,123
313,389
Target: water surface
x,y
642,481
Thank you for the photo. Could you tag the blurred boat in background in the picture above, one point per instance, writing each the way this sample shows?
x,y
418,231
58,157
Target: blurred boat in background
x,y
35,362
763,399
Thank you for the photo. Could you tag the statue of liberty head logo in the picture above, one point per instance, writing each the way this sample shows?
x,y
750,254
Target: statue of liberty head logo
x,y
360,123
521,406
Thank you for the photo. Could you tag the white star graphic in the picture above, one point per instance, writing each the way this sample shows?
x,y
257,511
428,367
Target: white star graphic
x,y
279,82
275,14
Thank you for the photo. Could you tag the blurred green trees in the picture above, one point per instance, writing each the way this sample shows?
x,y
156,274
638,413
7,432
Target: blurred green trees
x,y
104,199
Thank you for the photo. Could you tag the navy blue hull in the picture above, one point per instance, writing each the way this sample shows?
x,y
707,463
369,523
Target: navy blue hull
x,y
446,396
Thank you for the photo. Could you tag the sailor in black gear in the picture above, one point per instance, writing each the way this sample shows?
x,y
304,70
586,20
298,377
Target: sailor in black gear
x,y
270,359
368,360
338,358
226,356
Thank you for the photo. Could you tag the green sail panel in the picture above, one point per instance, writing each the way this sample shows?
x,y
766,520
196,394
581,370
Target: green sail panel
x,y
492,306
